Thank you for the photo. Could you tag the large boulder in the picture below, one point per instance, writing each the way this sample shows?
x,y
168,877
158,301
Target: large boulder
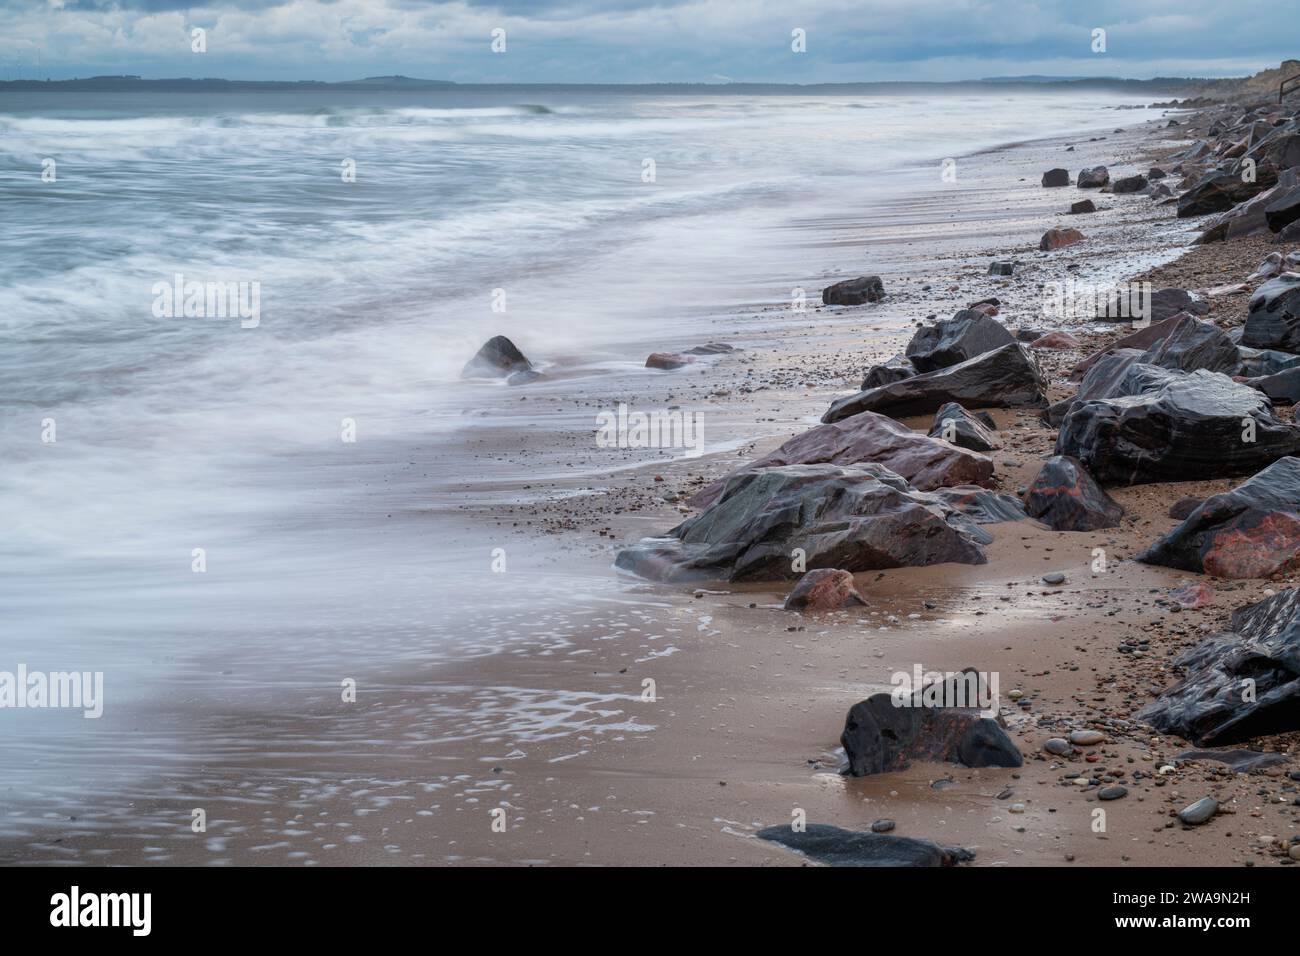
x,y
1260,362
1166,303
967,334
895,370
834,846
1142,338
1262,652
880,736
1004,378
1056,177
1217,192
1252,531
1172,427
1129,184
1274,318
854,291
1093,178
1066,498
1107,378
824,589
1282,388
859,518
954,424
1283,210
1195,345
927,463
498,358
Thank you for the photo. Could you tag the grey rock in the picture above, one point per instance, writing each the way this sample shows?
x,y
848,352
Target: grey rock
x,y
838,847
1199,812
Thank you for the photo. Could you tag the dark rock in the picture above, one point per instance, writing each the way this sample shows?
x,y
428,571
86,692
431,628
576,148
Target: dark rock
x,y
859,518
1195,345
1113,792
1282,388
927,463
1056,177
498,358
1283,210
668,361
1174,426
711,348
880,737
1001,268
1065,498
882,826
1107,378
1082,206
896,369
1129,184
954,424
1242,761
854,291
1183,507
1142,339
1093,178
824,589
967,334
1255,363
1003,378
1274,318
1199,812
1216,192
1252,531
1156,173
1169,302
836,847
1055,239
982,505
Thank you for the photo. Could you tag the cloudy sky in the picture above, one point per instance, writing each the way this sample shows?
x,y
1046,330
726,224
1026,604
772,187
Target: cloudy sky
x,y
644,40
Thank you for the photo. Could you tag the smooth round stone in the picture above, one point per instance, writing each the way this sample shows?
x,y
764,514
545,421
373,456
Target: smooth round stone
x,y
1058,745
1294,852
1199,812
1016,694
882,826
1087,738
1112,793
1053,577
1081,782
1017,808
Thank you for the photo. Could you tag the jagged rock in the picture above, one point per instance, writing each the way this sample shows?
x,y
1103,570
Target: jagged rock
x,y
1282,388
1252,531
1271,266
854,291
1216,192
1129,184
1207,706
1166,303
1056,177
1065,498
982,505
1001,268
1283,210
498,358
668,361
1082,206
1174,426
1156,173
1194,345
824,589
1093,178
1260,362
925,462
954,424
837,847
1274,318
967,334
859,518
1249,218
1142,339
880,737
896,369
1055,239
1107,378
1003,378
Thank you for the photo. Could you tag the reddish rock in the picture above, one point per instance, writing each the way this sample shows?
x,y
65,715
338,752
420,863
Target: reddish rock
x,y
824,589
1193,595
989,307
1082,206
927,463
1066,498
1056,340
1059,239
668,361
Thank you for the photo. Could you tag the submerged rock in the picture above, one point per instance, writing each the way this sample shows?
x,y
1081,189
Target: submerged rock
x,y
1252,531
836,847
854,291
774,523
927,463
969,333
1005,377
824,589
954,424
1065,498
498,358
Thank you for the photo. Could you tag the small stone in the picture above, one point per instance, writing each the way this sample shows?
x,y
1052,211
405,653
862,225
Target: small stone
x,y
1016,694
1059,746
1112,792
1294,852
1199,812
882,826
1016,808
1054,577
1087,738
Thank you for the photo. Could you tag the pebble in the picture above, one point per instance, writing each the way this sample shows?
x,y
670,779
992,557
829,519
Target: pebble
x,y
1016,694
1294,852
1199,812
1058,745
1054,577
1087,738
1016,808
1112,792
882,826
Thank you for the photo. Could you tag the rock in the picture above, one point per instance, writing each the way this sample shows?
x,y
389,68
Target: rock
x,y
1001,268
1129,184
1003,378
711,348
1271,266
1283,210
982,505
882,826
1216,192
954,424
1066,498
498,358
858,518
824,589
1113,792
1156,173
1207,706
1169,302
1056,177
1184,507
967,334
1058,746
1082,206
927,463
880,737
1142,339
1252,531
987,306
836,847
1199,812
1282,388
668,361
854,291
1055,239
1172,426
1087,738
523,376
1093,178
1158,191
1054,578
1274,318
1242,761
895,370
1056,340
1193,595
1257,363
1194,345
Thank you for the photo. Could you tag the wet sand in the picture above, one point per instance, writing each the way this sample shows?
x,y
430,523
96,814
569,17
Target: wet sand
x,y
547,720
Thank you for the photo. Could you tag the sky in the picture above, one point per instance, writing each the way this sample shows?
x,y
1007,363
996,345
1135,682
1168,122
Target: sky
x,y
640,41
